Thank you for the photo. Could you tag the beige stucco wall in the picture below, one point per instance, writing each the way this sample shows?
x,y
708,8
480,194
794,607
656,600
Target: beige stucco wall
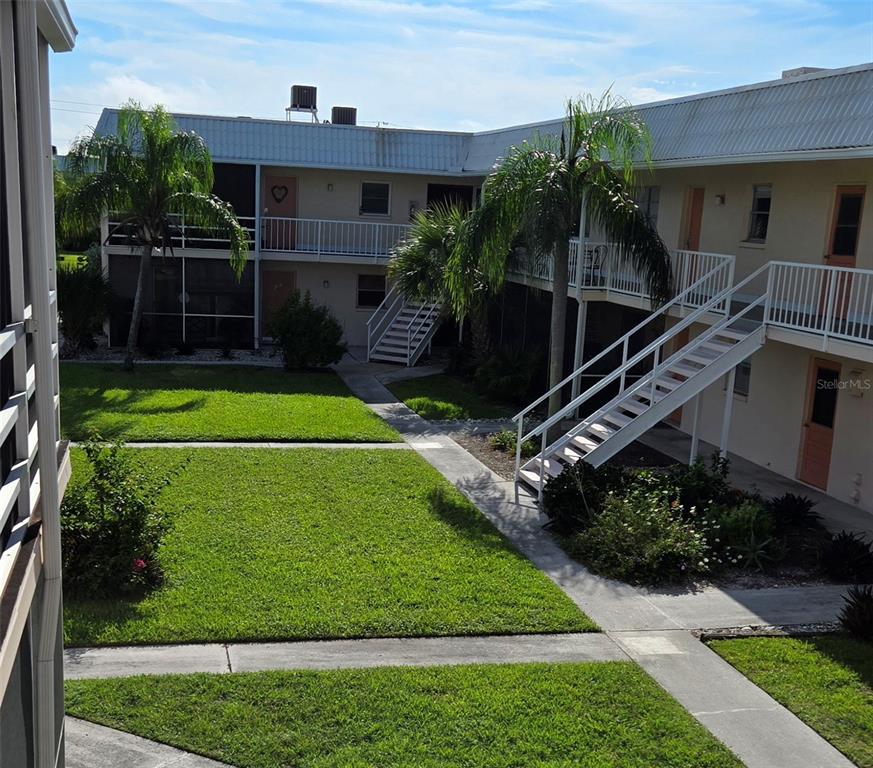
x,y
340,294
767,425
802,201
315,200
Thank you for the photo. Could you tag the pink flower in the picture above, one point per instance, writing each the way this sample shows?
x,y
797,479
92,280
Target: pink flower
x,y
139,565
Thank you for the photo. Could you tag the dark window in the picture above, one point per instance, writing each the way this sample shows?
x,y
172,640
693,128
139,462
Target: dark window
x,y
167,286
648,200
824,400
759,218
743,378
371,290
847,224
375,197
212,288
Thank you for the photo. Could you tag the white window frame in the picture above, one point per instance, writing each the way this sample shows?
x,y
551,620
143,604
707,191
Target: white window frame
x,y
366,214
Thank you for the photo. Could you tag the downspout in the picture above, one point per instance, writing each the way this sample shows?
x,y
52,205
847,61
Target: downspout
x,y
32,65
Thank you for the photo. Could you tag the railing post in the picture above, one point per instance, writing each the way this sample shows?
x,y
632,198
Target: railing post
x,y
518,452
828,318
183,230
726,416
318,241
542,465
767,300
623,364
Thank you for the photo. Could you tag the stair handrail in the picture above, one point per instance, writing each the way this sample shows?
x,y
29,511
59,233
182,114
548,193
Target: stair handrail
x,y
410,334
650,378
622,340
387,313
725,296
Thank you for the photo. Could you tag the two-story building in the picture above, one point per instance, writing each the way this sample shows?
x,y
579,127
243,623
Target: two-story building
x,y
761,189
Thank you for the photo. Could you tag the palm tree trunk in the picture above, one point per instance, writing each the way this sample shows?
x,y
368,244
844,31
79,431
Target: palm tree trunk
x,y
479,332
559,320
144,263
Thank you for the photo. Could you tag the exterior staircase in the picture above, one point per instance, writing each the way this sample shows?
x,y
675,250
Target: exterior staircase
x,y
650,384
399,331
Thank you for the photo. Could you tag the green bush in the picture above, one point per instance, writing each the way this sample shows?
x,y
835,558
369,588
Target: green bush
x,y
506,441
746,535
577,495
308,335
111,526
83,302
699,487
856,616
507,374
848,557
792,513
643,539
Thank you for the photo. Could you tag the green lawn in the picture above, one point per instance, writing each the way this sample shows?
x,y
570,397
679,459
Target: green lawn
x,y
67,260
446,397
827,681
596,715
318,543
189,402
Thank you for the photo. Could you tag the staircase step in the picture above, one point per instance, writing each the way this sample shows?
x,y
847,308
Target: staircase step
x,y
571,454
716,346
729,334
619,419
377,354
584,444
698,356
601,430
634,406
683,370
552,466
665,382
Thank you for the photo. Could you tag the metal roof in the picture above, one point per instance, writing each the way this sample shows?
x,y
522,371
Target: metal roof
x,y
813,115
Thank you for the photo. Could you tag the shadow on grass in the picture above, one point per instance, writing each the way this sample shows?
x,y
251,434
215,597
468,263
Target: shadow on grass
x,y
848,652
87,618
463,518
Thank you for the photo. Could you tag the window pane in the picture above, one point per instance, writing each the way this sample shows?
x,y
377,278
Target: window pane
x,y
374,197
759,218
371,290
742,379
850,209
824,401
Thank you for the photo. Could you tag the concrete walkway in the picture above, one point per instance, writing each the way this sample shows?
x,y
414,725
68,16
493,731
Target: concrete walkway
x,y
651,627
242,444
88,745
81,663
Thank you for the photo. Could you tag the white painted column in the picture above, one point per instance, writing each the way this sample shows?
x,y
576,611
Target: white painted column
x,y
695,423
726,416
257,265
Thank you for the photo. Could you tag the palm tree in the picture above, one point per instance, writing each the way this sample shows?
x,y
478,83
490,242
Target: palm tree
x,y
419,267
535,196
151,174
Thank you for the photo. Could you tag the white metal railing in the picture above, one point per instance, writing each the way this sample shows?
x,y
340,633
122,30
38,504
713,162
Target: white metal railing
x,y
831,302
380,321
327,237
184,235
652,358
420,331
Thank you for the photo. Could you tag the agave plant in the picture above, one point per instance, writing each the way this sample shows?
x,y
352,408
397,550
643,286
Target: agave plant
x,y
856,616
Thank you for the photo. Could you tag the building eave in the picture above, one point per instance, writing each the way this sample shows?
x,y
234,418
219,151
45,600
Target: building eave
x,y
846,153
56,24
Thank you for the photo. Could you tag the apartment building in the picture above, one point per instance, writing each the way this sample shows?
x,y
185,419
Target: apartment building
x,y
34,465
761,189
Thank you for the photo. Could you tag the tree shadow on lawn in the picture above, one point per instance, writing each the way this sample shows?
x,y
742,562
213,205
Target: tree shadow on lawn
x,y
856,655
90,616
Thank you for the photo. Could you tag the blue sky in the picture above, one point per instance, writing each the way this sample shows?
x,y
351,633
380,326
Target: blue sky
x,y
445,64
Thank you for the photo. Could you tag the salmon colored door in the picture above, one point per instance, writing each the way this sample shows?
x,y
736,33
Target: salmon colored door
x,y
690,239
679,341
279,198
276,286
842,248
818,427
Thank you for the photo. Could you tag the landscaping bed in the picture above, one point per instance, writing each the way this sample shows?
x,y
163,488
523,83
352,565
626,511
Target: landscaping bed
x,y
491,716
447,397
190,402
686,524
826,680
267,544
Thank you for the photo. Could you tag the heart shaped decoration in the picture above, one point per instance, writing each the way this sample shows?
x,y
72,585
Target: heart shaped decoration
x,y
279,193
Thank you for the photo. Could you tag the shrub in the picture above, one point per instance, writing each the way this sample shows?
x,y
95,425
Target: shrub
x,y
185,349
746,535
507,374
83,302
699,487
642,538
506,441
848,557
111,526
308,335
856,616
572,499
792,513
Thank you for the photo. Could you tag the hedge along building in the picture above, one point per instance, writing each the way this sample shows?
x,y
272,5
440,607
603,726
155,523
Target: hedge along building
x,y
767,180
